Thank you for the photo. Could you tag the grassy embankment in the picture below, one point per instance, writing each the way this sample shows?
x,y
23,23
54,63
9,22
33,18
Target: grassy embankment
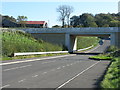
x,y
17,41
112,77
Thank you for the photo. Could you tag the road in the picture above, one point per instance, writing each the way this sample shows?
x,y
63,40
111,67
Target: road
x,y
66,71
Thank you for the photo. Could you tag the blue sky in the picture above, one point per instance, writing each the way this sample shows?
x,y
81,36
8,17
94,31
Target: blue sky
x,y
44,11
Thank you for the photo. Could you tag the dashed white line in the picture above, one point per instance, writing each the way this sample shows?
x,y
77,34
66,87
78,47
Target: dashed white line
x,y
76,76
44,72
17,68
59,68
35,76
63,66
22,80
4,86
71,64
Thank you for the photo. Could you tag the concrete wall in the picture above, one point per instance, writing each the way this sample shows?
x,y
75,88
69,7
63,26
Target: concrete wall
x,y
51,38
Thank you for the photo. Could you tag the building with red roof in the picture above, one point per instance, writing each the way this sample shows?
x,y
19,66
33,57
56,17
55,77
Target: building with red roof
x,y
36,24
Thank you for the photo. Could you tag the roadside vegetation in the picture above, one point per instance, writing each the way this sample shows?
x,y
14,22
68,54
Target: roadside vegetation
x,y
84,42
19,41
112,77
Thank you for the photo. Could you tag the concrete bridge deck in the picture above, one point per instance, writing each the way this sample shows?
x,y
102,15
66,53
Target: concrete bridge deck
x,y
67,36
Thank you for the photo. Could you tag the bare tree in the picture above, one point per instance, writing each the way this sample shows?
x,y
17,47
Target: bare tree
x,y
69,10
65,12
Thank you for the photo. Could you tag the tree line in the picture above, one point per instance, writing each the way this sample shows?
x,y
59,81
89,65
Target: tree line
x,y
86,19
97,20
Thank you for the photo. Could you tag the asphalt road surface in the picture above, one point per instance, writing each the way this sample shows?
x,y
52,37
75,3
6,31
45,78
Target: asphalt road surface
x,y
66,71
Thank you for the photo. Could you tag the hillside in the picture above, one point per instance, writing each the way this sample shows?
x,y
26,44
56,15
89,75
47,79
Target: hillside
x,y
17,41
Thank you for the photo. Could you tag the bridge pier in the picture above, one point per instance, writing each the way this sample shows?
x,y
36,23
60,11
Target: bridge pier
x,y
71,42
115,39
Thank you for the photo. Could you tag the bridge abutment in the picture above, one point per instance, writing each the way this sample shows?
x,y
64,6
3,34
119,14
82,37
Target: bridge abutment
x,y
115,39
71,42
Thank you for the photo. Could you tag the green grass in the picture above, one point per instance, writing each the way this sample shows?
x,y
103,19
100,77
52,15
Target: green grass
x,y
112,77
101,57
84,42
16,41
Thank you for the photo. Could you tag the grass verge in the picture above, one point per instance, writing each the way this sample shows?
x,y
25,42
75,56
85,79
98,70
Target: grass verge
x,y
31,56
112,77
101,57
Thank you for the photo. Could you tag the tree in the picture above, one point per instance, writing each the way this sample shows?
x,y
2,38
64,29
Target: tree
x,y
65,12
103,20
87,20
69,10
74,21
21,20
11,18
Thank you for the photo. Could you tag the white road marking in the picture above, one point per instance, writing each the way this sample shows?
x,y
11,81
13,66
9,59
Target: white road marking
x,y
63,66
71,64
92,49
34,60
35,76
76,76
44,73
22,80
17,67
59,68
4,86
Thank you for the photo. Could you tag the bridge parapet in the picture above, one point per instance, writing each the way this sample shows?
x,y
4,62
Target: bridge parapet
x,y
73,30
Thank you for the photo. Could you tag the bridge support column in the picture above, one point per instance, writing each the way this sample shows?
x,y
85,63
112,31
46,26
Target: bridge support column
x,y
71,42
115,39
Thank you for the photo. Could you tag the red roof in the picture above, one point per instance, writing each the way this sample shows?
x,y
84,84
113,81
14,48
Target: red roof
x,y
35,22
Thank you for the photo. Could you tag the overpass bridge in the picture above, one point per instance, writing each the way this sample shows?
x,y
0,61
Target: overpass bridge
x,y
67,36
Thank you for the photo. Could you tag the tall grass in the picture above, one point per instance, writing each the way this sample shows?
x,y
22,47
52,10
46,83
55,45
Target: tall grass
x,y
112,77
17,41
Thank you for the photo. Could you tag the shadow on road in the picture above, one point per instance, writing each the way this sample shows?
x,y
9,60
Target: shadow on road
x,y
86,53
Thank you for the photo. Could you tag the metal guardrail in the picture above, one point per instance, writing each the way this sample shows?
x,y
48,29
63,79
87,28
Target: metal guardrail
x,y
52,52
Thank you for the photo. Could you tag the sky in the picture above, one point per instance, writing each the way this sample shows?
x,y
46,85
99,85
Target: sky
x,y
37,10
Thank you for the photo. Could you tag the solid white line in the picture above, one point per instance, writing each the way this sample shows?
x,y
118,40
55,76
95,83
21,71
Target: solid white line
x,y
76,76
4,86
17,68
35,59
